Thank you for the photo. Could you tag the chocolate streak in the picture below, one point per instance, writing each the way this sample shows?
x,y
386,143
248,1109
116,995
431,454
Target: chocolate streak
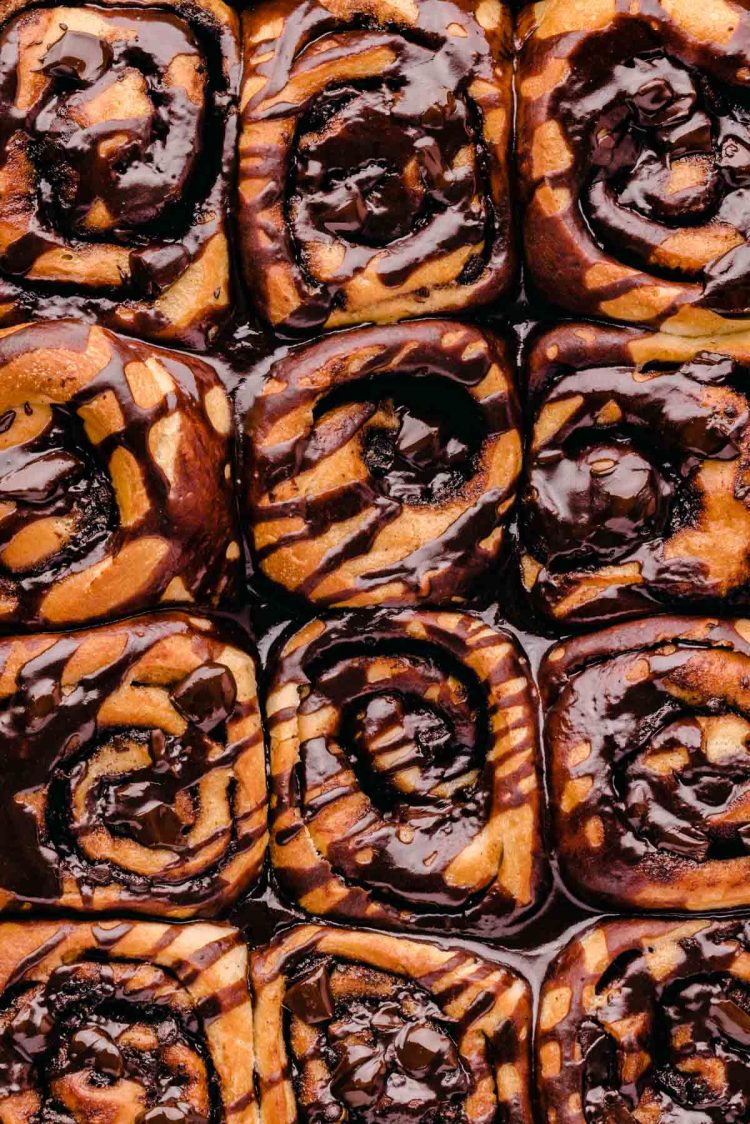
x,y
615,523
365,132
413,417
152,184
420,752
62,471
52,729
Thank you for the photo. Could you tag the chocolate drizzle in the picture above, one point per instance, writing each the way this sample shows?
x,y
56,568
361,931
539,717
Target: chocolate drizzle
x,y
612,521
397,466
118,131
396,779
99,810
90,521
374,150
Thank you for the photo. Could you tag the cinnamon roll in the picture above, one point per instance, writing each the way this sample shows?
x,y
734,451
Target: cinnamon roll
x,y
647,1020
117,137
404,773
381,464
133,768
636,491
648,733
125,1020
635,158
374,152
115,477
365,1026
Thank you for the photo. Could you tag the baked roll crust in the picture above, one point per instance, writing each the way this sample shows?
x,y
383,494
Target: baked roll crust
x,y
385,1028
404,772
125,1020
635,158
117,132
646,727
133,769
374,155
115,477
381,464
646,1020
636,491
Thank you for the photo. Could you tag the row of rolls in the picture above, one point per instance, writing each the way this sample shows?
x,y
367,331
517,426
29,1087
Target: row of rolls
x,y
361,156
180,1024
382,466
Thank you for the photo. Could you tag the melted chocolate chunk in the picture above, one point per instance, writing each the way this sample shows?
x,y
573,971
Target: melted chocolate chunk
x,y
207,696
310,997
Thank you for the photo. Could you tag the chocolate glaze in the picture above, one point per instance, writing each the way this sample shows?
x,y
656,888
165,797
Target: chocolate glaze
x,y
50,734
154,183
59,471
374,171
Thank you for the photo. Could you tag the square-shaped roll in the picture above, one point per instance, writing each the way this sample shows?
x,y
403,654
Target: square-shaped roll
x,y
118,126
405,786
115,477
634,153
366,1025
636,493
647,730
133,769
374,153
647,1020
125,1020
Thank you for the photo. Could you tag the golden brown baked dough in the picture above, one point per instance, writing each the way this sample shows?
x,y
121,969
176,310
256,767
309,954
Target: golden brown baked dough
x,y
647,727
635,158
636,492
115,479
374,154
381,464
647,1020
133,768
404,777
125,1020
117,138
366,1023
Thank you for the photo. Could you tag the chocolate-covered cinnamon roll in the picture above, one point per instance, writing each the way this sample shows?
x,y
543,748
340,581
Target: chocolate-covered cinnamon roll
x,y
381,464
365,1026
123,1021
647,1021
117,137
648,734
374,158
404,772
133,768
115,477
636,491
635,158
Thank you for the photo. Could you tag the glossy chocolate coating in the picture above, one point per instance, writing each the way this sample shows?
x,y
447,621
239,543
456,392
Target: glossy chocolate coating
x,y
112,455
373,159
635,159
394,801
117,125
380,465
146,1020
636,492
682,989
133,769
386,1029
647,732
